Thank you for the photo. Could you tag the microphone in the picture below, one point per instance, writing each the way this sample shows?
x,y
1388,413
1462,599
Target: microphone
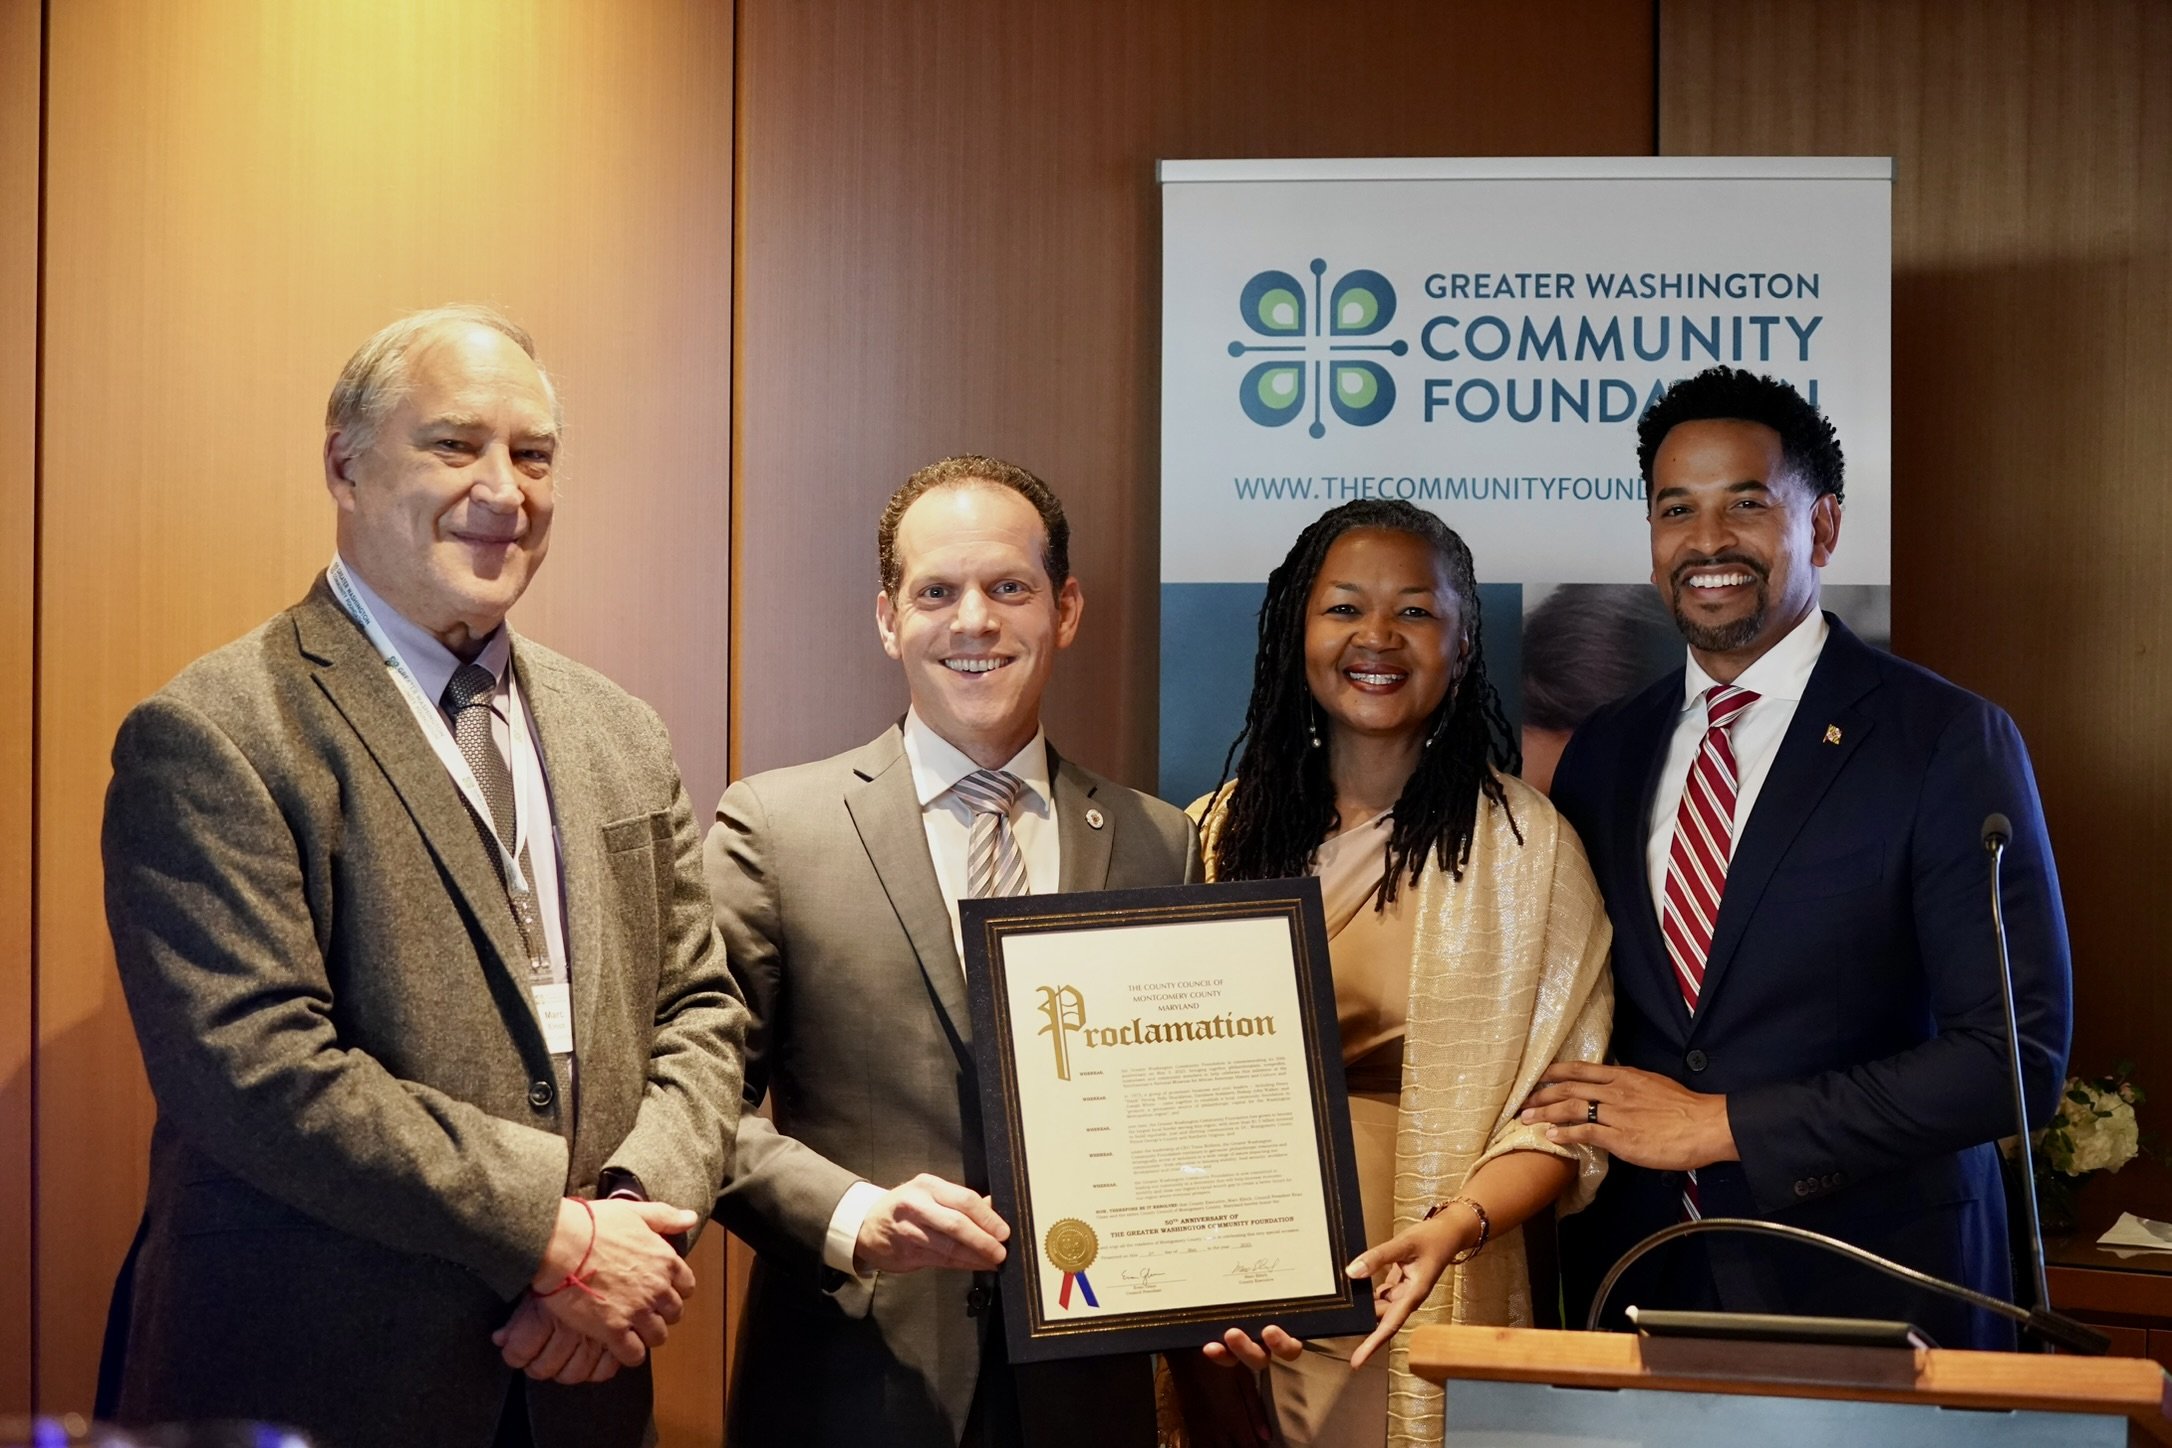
x,y
2049,1326
1998,831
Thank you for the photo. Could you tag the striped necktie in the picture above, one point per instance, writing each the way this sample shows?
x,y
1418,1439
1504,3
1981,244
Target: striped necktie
x,y
993,865
1704,829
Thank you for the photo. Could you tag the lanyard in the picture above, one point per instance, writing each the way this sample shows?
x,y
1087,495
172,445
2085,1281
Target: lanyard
x,y
440,735
553,997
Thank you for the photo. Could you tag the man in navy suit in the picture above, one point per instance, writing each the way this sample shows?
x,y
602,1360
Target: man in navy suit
x,y
1808,1024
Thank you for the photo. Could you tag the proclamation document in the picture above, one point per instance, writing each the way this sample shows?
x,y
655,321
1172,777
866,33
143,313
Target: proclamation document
x,y
1169,1133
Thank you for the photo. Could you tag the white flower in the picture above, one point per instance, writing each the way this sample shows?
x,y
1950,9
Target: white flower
x,y
2099,1131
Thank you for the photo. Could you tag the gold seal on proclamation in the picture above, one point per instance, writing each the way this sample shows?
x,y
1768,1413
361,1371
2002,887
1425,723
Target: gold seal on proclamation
x,y
1072,1245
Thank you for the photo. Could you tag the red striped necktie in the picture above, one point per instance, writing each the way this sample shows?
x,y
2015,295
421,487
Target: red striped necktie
x,y
1704,828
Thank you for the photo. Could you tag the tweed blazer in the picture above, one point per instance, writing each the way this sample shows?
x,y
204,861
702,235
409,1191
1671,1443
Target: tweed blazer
x,y
839,935
361,1141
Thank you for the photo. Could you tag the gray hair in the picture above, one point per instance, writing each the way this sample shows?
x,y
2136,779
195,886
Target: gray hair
x,y
375,377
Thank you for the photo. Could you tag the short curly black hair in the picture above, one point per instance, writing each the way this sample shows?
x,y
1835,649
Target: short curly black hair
x,y
1808,443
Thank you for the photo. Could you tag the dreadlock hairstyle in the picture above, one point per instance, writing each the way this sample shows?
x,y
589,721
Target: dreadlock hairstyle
x,y
1283,803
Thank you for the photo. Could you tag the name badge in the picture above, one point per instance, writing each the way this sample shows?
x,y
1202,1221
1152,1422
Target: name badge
x,y
554,1008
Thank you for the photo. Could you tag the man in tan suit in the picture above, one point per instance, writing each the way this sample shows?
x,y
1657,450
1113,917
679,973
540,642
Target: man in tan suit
x,y
872,1316
410,917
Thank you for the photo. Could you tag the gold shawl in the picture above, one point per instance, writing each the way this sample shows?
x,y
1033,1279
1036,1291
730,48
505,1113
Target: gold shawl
x,y
1509,973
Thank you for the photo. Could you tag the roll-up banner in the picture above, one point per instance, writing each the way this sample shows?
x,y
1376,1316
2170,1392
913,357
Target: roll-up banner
x,y
1479,337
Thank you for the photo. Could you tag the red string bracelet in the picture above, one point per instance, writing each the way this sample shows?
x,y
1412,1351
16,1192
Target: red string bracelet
x,y
578,1277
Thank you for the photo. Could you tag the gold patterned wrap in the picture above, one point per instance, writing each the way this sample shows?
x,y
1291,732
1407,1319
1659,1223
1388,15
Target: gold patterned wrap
x,y
1508,973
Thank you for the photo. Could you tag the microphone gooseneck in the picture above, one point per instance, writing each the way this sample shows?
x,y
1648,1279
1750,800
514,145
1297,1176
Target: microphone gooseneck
x,y
2045,1323
1997,831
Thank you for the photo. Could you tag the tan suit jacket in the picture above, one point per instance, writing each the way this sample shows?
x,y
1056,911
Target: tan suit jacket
x,y
361,1143
840,937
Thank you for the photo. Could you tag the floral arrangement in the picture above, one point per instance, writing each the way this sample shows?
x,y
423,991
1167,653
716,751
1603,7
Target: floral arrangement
x,y
2094,1130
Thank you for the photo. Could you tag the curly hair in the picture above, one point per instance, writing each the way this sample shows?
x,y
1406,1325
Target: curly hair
x,y
1282,804
973,470
1808,444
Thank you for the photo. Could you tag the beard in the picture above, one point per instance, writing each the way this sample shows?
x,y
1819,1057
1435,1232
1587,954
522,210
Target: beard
x,y
1720,638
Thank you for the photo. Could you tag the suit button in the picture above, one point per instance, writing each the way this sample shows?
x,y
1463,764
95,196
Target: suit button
x,y
541,1094
978,1299
1695,1061
1805,1188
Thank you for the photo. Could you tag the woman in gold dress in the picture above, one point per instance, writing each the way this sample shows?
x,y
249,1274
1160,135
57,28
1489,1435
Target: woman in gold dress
x,y
1469,947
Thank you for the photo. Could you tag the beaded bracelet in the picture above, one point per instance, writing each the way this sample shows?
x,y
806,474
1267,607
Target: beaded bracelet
x,y
1485,1227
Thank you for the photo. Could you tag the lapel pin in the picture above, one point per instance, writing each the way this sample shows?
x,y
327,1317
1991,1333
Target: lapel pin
x,y
1094,819
1832,734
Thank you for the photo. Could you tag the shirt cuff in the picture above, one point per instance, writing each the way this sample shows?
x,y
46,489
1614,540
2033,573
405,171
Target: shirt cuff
x,y
843,1238
615,1183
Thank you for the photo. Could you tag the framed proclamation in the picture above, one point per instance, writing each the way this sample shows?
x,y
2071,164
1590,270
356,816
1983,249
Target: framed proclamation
x,y
1167,1126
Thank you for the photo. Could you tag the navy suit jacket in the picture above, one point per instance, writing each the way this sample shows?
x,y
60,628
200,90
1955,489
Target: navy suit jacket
x,y
1851,1008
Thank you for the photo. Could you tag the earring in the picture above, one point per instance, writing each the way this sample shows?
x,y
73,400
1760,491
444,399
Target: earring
x,y
1312,731
1447,711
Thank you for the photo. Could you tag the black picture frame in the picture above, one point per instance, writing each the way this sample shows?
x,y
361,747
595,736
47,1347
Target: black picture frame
x,y
1034,1332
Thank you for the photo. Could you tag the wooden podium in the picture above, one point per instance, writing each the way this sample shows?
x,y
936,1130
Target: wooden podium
x,y
1526,1387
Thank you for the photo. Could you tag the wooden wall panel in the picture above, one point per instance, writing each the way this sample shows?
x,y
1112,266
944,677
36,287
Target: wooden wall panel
x,y
949,241
238,192
21,45
2032,395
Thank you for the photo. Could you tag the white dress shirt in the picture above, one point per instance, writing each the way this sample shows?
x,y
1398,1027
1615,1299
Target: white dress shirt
x,y
937,766
1778,679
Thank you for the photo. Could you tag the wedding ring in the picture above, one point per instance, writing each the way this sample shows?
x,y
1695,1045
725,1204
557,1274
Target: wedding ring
x,y
1591,1112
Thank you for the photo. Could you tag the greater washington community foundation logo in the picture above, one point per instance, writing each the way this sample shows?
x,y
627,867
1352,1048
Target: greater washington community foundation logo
x,y
1313,354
